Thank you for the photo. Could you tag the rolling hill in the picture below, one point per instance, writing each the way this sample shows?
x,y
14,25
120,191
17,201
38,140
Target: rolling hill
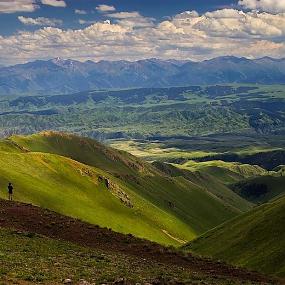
x,y
82,178
266,159
225,172
216,177
255,240
236,111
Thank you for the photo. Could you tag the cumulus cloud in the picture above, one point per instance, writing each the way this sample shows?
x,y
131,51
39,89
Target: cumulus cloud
x,y
80,12
105,8
233,24
13,6
131,36
272,6
54,3
40,21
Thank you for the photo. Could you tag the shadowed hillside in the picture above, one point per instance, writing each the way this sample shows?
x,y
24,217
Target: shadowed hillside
x,y
261,189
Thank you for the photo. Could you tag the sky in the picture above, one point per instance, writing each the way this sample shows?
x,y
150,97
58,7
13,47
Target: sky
x,y
138,29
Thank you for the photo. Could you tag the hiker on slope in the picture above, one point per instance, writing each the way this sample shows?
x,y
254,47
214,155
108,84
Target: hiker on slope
x,y
10,191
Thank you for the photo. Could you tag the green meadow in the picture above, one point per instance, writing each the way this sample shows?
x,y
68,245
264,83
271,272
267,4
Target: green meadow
x,y
62,172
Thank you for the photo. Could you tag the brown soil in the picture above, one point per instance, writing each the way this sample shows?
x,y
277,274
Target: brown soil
x,y
26,217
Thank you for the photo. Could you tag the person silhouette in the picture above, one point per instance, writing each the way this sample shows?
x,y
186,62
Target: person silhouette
x,y
10,191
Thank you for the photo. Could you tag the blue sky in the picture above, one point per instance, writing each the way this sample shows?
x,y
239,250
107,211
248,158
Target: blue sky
x,y
136,29
158,9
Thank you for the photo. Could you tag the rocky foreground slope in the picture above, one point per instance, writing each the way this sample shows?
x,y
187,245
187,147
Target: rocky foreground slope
x,y
39,246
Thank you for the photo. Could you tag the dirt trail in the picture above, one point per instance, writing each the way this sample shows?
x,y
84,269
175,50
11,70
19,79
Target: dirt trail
x,y
26,217
174,238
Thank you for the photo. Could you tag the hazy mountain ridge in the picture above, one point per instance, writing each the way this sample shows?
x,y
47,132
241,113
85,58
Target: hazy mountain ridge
x,y
59,76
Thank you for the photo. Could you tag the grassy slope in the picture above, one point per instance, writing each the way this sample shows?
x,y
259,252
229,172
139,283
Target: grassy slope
x,y
211,182
32,257
56,183
72,188
216,177
255,240
226,172
221,190
84,150
36,259
41,252
224,178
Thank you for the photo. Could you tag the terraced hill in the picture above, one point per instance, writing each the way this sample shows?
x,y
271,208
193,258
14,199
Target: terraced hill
x,y
81,178
255,239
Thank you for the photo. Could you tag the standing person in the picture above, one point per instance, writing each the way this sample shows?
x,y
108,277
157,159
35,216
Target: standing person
x,y
10,191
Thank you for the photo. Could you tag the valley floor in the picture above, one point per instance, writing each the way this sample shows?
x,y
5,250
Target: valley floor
x,y
38,246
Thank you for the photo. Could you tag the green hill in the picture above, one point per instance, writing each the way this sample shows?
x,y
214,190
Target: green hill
x,y
214,182
84,150
225,172
82,178
255,240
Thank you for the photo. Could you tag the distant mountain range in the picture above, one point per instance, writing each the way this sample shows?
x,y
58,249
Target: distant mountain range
x,y
59,76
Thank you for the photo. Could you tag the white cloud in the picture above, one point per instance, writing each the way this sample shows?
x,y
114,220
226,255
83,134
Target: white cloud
x,y
13,6
131,19
272,6
131,36
40,21
125,15
187,15
54,3
234,24
85,22
80,12
105,8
